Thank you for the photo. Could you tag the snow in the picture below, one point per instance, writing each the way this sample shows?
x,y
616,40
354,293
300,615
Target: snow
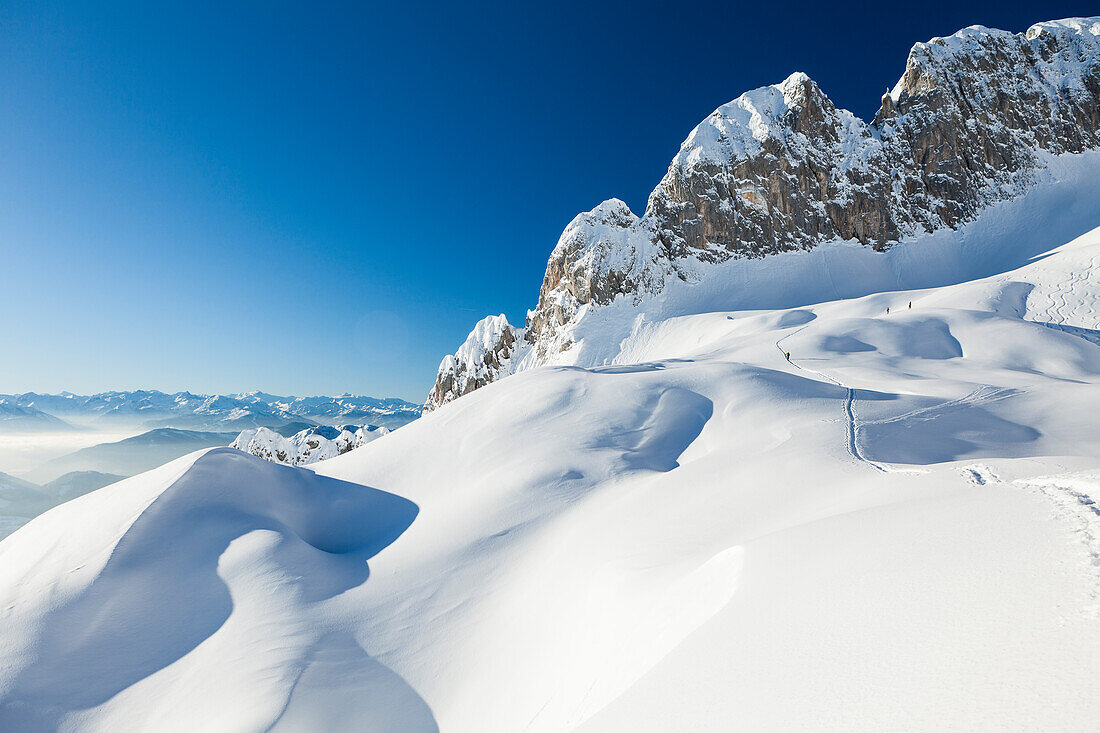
x,y
221,544
894,530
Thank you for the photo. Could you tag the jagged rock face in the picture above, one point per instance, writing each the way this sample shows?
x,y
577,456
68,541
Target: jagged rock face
x,y
762,175
974,109
781,168
603,254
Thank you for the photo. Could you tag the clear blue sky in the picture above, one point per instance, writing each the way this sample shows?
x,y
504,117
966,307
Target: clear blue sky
x,y
315,198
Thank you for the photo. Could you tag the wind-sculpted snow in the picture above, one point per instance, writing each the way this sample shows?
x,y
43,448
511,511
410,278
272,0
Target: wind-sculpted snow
x,y
178,564
893,529
978,119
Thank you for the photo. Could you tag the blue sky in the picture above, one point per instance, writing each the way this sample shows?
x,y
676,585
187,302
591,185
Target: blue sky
x,y
316,200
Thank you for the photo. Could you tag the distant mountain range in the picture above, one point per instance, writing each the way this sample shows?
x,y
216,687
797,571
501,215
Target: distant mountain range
x,y
21,500
229,413
297,442
17,418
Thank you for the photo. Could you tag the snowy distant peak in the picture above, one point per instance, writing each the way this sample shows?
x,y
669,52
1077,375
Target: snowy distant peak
x,y
782,169
151,408
25,418
306,446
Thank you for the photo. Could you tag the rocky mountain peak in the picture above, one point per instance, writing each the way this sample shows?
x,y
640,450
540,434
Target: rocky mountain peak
x,y
781,168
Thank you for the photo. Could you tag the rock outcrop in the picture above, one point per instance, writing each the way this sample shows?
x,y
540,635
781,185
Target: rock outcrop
x,y
781,168
306,446
489,351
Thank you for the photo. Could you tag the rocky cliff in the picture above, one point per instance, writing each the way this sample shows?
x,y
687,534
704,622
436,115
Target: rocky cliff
x,y
781,168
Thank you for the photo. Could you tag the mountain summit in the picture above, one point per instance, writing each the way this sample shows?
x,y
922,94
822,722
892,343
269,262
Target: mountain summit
x,y
977,118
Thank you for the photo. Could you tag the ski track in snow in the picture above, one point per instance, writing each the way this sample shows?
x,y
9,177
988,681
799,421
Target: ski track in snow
x,y
1070,497
852,442
981,394
1058,311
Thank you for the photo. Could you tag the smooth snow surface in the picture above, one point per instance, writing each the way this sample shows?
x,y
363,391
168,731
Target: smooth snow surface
x,y
895,530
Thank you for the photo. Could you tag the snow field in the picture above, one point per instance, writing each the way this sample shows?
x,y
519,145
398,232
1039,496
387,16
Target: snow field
x,y
892,531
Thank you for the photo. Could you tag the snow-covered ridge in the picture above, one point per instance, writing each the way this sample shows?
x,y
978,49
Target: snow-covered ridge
x,y
306,446
976,119
740,129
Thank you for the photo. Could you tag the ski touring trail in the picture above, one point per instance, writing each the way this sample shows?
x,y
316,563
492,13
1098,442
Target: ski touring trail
x,y
852,441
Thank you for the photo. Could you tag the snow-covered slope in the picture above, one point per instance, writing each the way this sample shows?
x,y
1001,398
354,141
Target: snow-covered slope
x,y
306,446
978,119
894,530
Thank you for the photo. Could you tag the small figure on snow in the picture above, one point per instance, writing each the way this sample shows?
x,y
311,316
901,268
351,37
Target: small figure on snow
x,y
910,305
887,310
788,356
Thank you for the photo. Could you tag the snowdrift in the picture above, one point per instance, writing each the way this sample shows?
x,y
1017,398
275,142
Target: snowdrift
x,y
179,567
